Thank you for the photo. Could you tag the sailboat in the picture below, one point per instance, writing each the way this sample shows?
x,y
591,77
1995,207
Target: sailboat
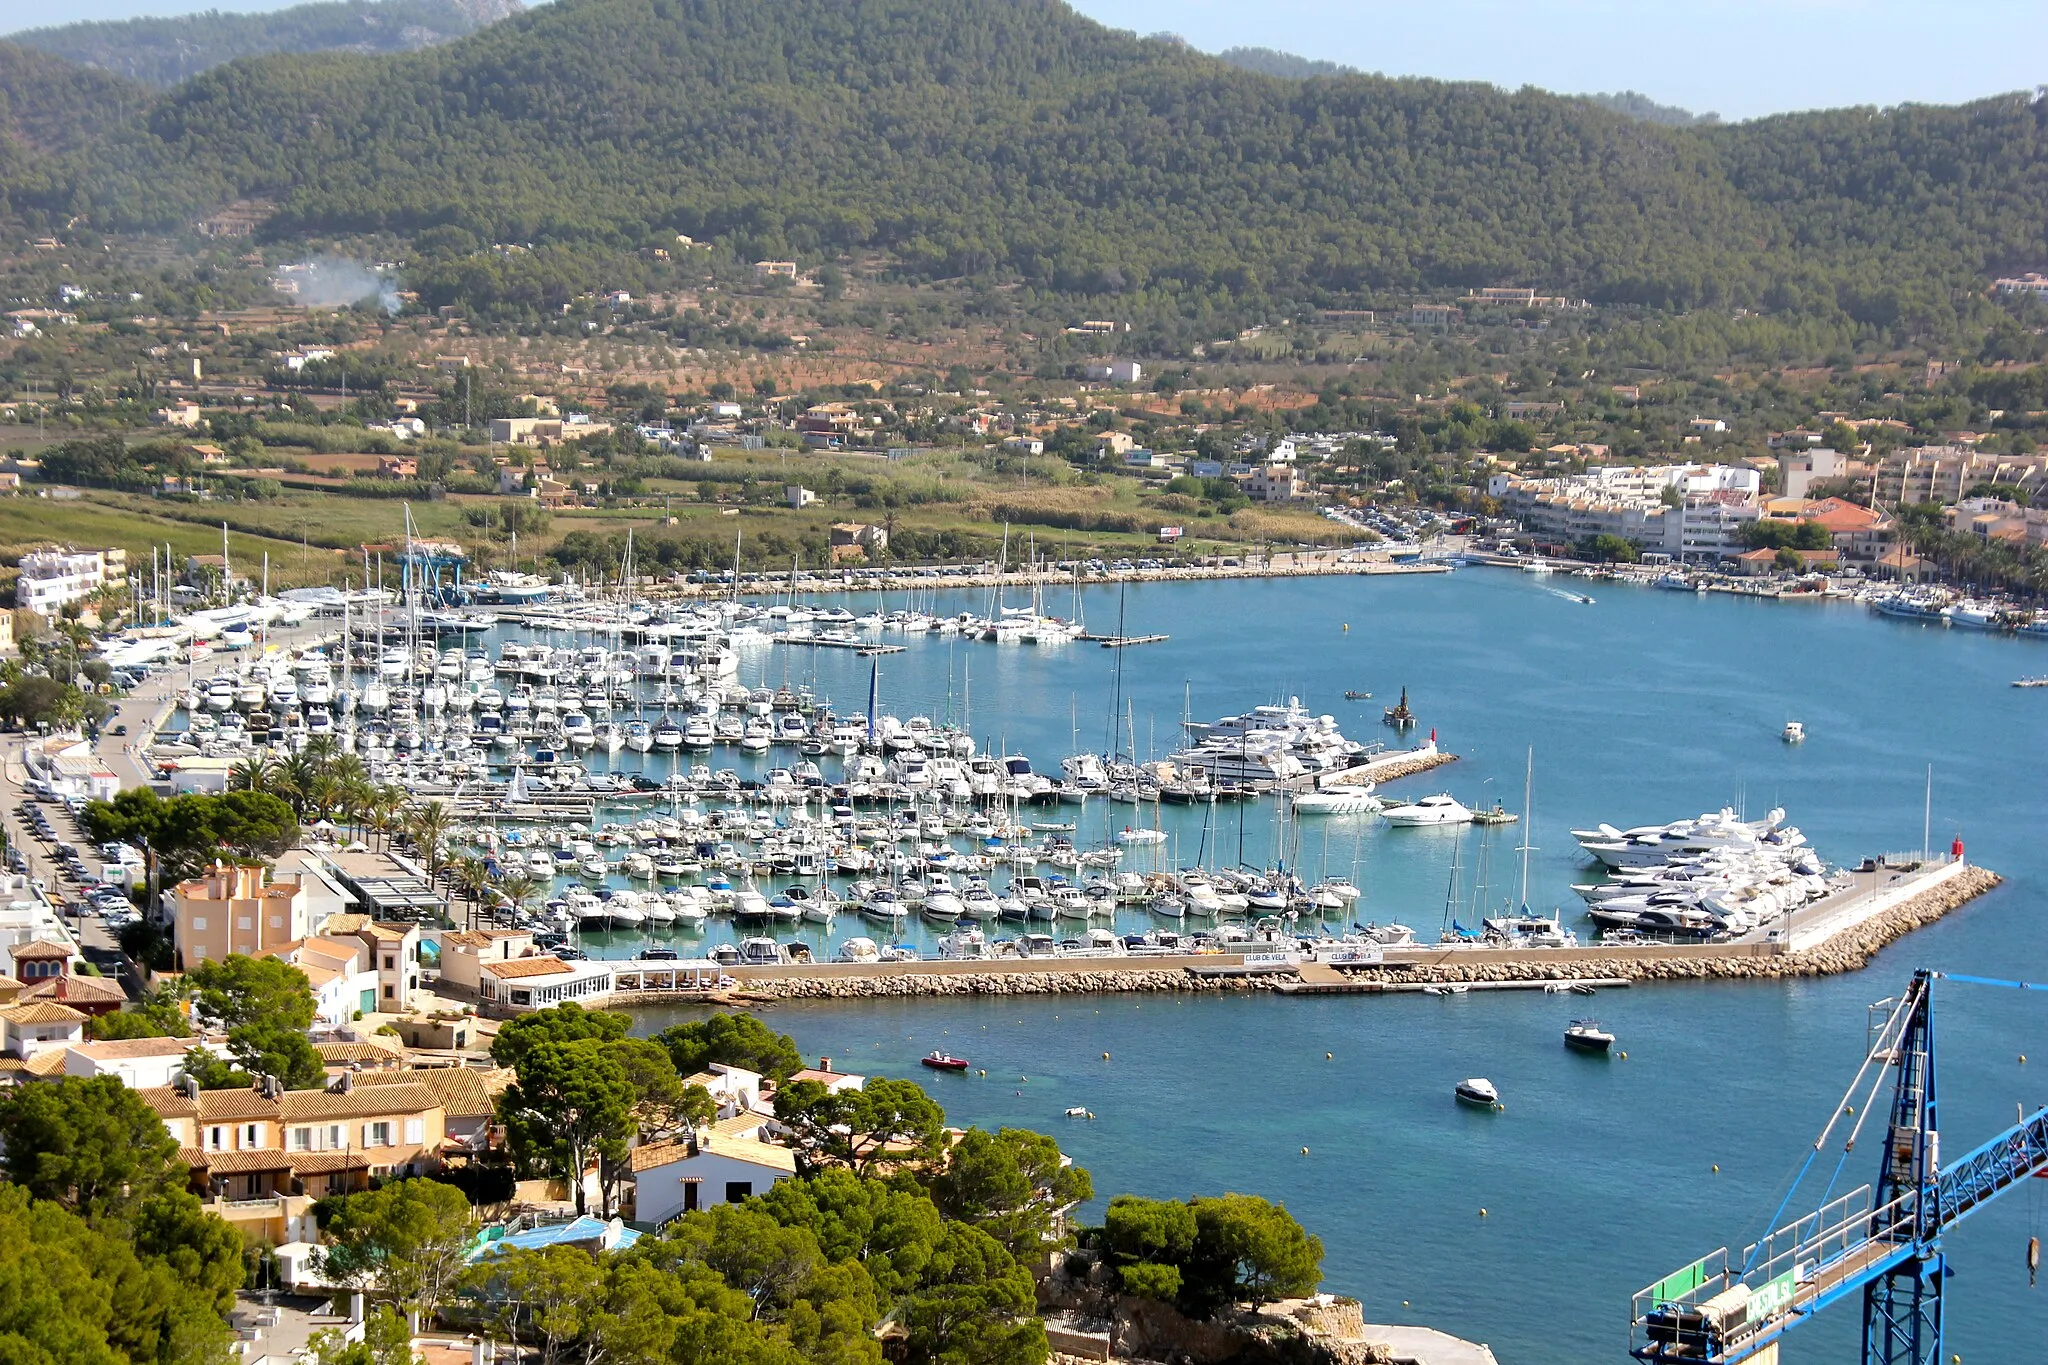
x,y
1523,928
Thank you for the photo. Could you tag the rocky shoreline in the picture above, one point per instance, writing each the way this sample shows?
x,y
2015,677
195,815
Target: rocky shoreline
x,y
1848,951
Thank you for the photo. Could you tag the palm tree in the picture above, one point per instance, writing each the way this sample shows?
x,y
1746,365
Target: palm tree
x,y
322,796
472,879
293,780
519,891
251,774
322,751
427,827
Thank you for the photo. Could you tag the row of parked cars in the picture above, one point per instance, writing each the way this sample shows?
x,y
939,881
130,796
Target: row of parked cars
x,y
107,900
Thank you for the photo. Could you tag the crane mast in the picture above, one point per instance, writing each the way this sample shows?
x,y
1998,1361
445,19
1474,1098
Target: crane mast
x,y
1880,1243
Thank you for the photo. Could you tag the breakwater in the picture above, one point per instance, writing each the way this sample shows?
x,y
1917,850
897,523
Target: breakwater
x,y
1849,950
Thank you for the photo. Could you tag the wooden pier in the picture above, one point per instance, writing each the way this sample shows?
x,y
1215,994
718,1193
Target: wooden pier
x,y
1121,641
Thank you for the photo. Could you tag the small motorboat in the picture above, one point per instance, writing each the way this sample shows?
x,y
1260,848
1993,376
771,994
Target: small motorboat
x,y
1498,815
1478,1092
1586,1035
944,1061
1452,988
1357,696
1794,732
1080,1112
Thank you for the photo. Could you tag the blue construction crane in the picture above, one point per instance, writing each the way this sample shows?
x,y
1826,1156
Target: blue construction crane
x,y
1880,1241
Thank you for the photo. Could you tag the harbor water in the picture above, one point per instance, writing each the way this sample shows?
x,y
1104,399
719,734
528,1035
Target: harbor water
x,y
1599,1175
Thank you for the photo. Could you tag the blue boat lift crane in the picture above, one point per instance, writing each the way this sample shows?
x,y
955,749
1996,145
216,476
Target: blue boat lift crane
x,y
1880,1242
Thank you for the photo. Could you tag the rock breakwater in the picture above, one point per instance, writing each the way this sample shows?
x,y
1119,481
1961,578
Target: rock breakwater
x,y
1847,951
1151,979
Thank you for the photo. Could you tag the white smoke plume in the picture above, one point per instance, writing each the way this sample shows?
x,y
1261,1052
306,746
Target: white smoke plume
x,y
335,282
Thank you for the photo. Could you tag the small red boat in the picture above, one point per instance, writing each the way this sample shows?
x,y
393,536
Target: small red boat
x,y
944,1061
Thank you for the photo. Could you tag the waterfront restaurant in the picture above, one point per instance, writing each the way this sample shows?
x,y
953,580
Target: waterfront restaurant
x,y
537,983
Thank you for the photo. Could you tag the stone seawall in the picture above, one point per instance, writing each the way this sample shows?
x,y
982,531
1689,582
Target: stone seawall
x,y
1847,951
1149,979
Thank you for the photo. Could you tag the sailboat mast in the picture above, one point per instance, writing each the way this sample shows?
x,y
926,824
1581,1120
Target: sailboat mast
x,y
1528,819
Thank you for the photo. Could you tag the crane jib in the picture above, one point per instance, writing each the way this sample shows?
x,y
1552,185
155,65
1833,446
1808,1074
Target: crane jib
x,y
1881,1242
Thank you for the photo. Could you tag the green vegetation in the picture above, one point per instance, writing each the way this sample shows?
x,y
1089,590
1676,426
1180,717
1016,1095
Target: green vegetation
x,y
734,1039
164,51
265,1005
108,1259
1206,1253
183,833
551,128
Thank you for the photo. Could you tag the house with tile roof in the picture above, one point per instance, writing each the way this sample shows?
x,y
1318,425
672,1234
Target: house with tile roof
x,y
394,955
40,1028
668,1179
468,1096
90,994
261,1156
524,984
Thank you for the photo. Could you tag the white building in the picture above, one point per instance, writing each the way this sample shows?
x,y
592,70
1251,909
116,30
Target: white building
x,y
1116,371
70,768
51,578
138,1063
1690,512
524,984
669,1179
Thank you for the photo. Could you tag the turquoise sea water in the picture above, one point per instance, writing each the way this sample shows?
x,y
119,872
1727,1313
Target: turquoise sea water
x,y
1598,1176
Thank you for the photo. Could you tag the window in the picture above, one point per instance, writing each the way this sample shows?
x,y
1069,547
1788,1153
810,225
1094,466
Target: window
x,y
199,952
387,993
736,1190
390,963
689,1196
415,1130
216,1138
334,1139
376,1135
277,921
252,1137
301,1140
244,922
199,921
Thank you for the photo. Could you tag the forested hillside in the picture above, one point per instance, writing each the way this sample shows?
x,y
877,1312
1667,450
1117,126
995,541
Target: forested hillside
x,y
164,51
1013,139
50,108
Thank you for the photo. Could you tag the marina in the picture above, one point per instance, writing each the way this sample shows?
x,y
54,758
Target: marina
x,y
1484,660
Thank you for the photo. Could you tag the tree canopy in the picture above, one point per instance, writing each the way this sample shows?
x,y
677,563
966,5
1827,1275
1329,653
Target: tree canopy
x,y
732,1039
1207,1253
1022,142
186,832
265,1005
88,1143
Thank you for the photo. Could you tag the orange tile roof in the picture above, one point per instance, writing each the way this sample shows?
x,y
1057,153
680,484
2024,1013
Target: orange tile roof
x,y
527,966
41,1012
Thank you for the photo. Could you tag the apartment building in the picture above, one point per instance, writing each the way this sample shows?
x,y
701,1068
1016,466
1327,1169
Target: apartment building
x,y
1691,512
260,1157
240,909
1944,474
52,578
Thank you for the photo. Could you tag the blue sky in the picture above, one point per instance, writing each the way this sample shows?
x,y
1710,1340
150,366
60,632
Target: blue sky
x,y
1740,58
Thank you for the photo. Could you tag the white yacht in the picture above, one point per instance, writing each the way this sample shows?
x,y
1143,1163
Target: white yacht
x,y
1440,809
